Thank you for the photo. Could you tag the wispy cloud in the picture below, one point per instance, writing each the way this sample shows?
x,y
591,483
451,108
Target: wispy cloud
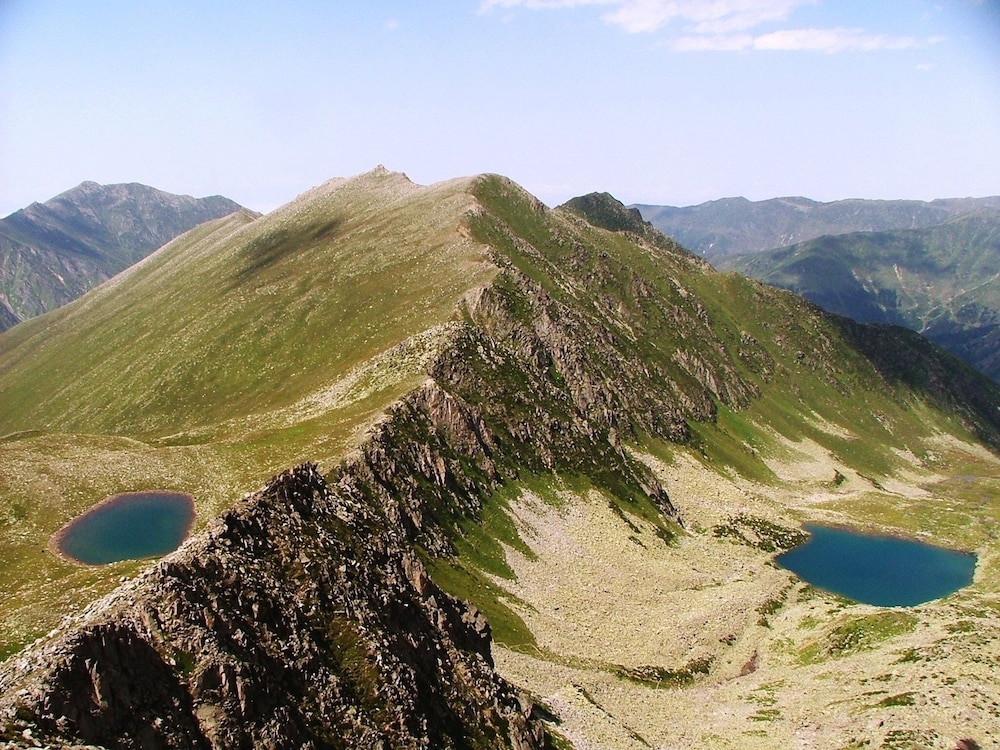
x,y
705,16
726,25
832,40
486,5
829,41
702,16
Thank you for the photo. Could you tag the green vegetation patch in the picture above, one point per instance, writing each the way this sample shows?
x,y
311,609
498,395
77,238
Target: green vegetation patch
x,y
910,739
359,675
855,634
728,457
469,583
555,741
760,533
903,699
662,677
772,606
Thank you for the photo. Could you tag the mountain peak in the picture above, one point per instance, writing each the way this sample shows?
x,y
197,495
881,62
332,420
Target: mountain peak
x,y
607,212
55,251
381,172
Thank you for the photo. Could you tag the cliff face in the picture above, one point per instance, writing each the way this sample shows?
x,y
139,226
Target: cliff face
x,y
528,385
299,619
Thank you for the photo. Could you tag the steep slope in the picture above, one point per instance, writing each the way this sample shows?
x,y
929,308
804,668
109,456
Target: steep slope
x,y
737,226
53,252
297,620
224,322
8,318
941,281
505,393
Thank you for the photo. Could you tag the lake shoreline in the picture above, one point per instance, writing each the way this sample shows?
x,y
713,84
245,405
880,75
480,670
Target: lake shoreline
x,y
56,539
880,532
882,570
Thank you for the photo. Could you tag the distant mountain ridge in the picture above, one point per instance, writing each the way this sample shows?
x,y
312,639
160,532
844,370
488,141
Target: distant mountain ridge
x,y
737,226
941,281
53,252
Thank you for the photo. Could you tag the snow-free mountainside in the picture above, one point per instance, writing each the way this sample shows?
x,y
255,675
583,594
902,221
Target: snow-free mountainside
x,y
930,266
737,226
522,474
53,252
942,281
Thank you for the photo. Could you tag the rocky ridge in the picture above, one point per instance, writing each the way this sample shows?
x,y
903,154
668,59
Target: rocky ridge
x,y
299,619
306,615
324,588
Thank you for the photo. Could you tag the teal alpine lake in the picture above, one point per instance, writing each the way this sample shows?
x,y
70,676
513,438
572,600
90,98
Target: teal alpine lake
x,y
129,526
881,570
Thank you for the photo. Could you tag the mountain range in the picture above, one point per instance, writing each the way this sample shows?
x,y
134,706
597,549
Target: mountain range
x,y
737,226
53,252
941,281
522,474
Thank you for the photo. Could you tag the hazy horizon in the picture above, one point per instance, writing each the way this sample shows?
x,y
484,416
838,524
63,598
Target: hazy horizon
x,y
656,102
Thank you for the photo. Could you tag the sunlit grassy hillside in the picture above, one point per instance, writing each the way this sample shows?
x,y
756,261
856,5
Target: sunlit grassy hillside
x,y
242,315
523,383
941,281
241,348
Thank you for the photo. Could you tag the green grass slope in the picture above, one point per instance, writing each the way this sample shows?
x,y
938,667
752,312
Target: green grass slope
x,y
53,252
241,348
243,316
942,281
740,344
559,345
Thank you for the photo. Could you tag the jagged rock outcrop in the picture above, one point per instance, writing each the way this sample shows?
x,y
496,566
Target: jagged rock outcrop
x,y
299,619
511,394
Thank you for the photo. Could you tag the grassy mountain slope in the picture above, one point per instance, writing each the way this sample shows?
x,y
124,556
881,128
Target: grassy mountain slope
x,y
737,226
580,426
241,348
313,289
941,281
53,252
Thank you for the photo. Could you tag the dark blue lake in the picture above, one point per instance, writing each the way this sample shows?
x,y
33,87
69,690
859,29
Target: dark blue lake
x,y
130,526
880,570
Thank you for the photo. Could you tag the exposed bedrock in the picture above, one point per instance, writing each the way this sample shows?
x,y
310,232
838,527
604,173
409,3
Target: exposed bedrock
x,y
297,620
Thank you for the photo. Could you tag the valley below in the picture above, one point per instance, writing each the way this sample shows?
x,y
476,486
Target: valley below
x,y
636,643
710,644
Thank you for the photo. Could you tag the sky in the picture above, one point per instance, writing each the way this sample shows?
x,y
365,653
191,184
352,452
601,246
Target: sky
x,y
656,101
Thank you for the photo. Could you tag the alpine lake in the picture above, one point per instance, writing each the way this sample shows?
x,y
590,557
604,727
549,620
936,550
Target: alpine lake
x,y
884,571
127,526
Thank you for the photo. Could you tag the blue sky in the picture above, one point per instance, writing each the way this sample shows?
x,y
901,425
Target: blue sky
x,y
655,101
